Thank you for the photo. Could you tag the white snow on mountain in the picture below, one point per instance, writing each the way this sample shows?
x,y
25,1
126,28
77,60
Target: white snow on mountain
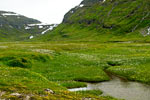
x,y
148,31
81,5
72,12
39,24
50,28
27,27
11,14
104,0
55,25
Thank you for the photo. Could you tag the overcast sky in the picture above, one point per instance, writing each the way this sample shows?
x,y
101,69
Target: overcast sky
x,y
47,11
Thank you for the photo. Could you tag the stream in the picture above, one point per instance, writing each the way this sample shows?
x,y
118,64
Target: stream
x,y
119,88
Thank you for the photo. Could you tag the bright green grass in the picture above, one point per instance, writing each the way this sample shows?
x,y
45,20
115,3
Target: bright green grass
x,y
14,79
64,64
23,81
32,67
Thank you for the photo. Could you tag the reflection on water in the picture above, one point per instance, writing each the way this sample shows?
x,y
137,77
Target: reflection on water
x,y
121,89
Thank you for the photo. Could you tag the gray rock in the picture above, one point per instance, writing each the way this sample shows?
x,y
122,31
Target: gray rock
x,y
49,91
87,99
27,98
16,94
2,93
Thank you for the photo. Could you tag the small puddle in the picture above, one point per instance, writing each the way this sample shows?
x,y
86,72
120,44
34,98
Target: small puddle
x,y
120,89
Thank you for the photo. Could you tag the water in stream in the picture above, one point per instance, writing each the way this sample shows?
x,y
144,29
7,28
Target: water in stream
x,y
120,89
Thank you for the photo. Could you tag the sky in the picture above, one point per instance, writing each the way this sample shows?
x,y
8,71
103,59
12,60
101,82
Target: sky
x,y
47,11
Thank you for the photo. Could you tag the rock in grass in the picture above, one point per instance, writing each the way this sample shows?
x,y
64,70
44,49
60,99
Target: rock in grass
x,y
27,98
49,91
16,94
87,99
2,93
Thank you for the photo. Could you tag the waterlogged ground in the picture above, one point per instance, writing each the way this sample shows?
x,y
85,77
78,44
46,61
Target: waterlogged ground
x,y
70,65
119,88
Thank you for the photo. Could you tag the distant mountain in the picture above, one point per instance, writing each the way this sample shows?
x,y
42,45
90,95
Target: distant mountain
x,y
16,27
105,20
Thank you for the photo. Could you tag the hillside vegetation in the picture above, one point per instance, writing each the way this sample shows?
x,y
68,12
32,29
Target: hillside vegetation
x,y
109,20
16,27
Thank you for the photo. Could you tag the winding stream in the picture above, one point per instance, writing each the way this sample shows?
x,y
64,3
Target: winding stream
x,y
120,89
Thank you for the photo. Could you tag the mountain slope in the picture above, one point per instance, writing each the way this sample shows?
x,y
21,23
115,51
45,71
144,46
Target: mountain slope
x,y
16,27
105,20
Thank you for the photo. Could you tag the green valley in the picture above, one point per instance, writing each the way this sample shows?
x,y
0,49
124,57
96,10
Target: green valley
x,y
100,51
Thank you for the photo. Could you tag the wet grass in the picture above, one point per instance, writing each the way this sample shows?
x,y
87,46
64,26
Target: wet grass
x,y
72,84
138,73
61,65
90,92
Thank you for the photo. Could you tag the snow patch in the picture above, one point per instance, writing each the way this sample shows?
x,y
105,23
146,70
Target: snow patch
x,y
50,28
72,12
27,27
55,25
31,37
81,5
40,26
104,0
10,14
148,31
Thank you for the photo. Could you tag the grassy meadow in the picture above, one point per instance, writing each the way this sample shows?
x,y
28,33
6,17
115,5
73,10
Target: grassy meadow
x,y
30,68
